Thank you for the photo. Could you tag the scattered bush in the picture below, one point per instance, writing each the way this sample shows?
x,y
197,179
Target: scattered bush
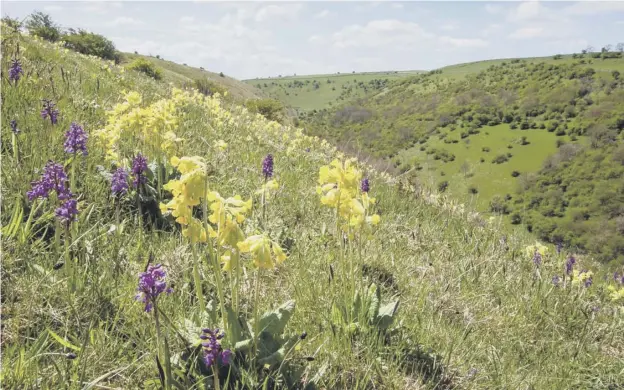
x,y
473,190
515,174
271,109
208,87
443,185
145,66
91,44
501,158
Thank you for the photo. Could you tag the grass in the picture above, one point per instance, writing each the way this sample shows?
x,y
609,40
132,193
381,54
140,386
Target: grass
x,y
474,311
307,98
488,178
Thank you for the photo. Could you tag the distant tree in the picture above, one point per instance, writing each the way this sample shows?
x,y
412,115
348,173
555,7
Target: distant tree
x,y
41,24
615,74
620,47
589,49
221,74
91,44
465,168
606,48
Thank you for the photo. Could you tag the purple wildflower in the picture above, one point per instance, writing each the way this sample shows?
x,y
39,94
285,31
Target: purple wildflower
x,y
14,128
119,182
15,71
151,284
365,185
537,258
618,278
50,111
212,347
559,247
76,139
52,179
139,166
588,281
555,280
267,166
570,265
68,211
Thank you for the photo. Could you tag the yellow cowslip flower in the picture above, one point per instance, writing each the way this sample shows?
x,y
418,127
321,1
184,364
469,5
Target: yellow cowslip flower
x,y
221,208
195,231
584,277
345,177
220,145
260,246
616,294
229,233
537,247
268,187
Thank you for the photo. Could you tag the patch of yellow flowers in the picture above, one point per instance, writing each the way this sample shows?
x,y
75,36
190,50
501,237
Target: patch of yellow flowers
x,y
339,188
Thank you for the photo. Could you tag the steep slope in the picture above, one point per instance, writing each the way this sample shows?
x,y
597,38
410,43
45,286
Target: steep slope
x,y
180,74
482,136
477,307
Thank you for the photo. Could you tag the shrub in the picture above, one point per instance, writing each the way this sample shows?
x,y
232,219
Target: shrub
x,y
485,149
221,74
42,25
269,108
208,87
443,185
91,44
145,66
473,190
501,158
515,174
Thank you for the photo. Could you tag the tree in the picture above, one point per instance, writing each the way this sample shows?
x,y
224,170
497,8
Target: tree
x,y
91,44
589,49
620,47
42,25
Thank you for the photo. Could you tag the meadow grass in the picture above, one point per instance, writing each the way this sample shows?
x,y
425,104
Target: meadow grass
x,y
474,311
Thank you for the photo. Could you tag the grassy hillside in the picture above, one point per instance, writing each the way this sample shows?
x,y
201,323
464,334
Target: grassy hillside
x,y
468,133
315,92
180,74
477,307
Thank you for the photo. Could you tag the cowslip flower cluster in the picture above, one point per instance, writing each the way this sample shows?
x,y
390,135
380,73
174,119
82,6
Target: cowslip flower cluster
x,y
187,192
49,111
15,71
139,166
119,182
584,278
152,283
211,345
536,252
76,139
341,188
54,179
261,247
616,291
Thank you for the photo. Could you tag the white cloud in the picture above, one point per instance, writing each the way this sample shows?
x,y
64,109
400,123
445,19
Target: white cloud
x,y
315,39
527,33
397,5
531,11
125,21
449,26
491,30
285,12
620,22
187,19
463,42
594,7
323,14
493,9
380,33
51,8
101,7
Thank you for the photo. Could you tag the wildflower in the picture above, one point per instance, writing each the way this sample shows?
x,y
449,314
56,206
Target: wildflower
x,y
584,277
220,145
212,347
67,212
268,187
569,266
119,182
52,179
49,111
15,71
267,166
618,278
616,294
556,280
260,247
14,128
537,258
537,247
365,185
76,139
559,247
139,166
151,284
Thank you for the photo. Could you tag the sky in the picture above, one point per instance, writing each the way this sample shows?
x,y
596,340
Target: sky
x,y
264,39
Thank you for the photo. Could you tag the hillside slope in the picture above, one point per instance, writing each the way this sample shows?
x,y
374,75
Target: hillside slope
x,y
477,307
179,74
482,136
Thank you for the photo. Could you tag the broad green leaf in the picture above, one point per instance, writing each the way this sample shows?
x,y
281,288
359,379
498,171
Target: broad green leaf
x,y
386,314
275,321
278,356
236,331
375,300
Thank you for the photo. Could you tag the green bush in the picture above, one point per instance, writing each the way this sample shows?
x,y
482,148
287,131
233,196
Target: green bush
x,y
443,185
144,66
41,25
91,44
501,158
271,109
208,87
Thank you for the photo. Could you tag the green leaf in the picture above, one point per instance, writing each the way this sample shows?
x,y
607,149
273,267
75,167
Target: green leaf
x,y
386,314
63,342
375,300
357,306
243,346
275,321
336,316
236,331
278,356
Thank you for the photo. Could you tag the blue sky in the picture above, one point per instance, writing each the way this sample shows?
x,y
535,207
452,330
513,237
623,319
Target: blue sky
x,y
258,39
